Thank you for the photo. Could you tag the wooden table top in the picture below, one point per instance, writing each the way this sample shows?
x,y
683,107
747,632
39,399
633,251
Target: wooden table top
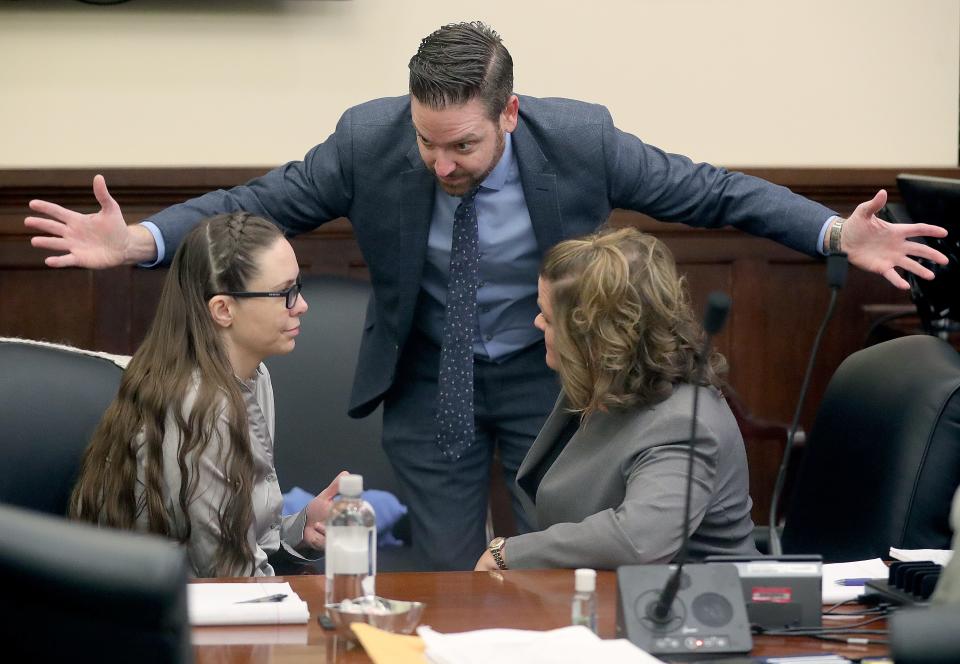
x,y
455,602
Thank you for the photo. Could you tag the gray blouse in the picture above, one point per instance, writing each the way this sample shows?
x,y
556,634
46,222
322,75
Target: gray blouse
x,y
270,534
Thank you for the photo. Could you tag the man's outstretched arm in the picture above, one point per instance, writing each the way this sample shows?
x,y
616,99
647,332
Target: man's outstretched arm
x,y
97,240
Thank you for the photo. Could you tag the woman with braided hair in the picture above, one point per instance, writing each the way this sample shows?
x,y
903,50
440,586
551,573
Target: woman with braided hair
x,y
607,474
186,448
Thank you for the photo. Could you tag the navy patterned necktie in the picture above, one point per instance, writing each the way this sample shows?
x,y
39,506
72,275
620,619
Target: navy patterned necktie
x,y
455,397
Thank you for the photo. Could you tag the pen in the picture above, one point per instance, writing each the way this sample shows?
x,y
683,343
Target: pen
x,y
852,582
266,598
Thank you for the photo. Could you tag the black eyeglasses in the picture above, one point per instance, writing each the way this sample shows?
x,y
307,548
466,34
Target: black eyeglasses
x,y
291,294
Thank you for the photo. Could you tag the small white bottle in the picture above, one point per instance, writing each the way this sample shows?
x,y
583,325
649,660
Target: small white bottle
x,y
583,609
351,549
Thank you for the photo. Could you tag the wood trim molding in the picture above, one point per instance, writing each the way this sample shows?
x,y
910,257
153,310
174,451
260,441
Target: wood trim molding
x,y
23,184
143,190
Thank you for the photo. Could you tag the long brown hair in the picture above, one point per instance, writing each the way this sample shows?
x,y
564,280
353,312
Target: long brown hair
x,y
182,351
624,330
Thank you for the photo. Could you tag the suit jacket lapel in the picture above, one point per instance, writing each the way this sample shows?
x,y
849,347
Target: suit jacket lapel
x,y
552,428
539,183
416,193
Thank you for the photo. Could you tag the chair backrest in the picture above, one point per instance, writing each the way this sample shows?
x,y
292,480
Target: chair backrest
x,y
76,593
51,400
315,438
882,460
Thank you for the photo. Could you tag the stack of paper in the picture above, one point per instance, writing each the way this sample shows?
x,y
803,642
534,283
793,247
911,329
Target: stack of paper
x,y
939,556
231,635
229,604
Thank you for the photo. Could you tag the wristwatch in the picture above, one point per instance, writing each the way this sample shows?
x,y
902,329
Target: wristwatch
x,y
833,238
496,550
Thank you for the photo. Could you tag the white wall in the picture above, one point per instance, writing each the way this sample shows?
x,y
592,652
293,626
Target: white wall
x,y
257,82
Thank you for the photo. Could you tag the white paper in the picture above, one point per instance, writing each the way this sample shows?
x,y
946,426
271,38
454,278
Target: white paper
x,y
228,635
216,604
939,556
833,572
567,645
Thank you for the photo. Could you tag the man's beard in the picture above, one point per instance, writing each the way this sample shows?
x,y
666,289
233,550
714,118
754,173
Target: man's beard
x,y
474,182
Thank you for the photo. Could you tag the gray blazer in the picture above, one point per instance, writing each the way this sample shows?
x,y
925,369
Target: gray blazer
x,y
575,167
614,496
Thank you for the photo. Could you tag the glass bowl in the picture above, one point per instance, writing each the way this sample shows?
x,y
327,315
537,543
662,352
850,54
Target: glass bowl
x,y
390,615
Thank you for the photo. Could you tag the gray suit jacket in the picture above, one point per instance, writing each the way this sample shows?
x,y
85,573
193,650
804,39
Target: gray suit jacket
x,y
614,496
575,167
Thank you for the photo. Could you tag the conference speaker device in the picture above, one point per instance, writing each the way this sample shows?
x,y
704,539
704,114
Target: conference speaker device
x,y
707,616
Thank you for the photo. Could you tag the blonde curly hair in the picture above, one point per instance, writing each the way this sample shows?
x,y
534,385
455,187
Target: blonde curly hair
x,y
624,330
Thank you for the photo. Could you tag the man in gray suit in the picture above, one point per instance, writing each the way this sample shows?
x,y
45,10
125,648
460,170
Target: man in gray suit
x,y
520,174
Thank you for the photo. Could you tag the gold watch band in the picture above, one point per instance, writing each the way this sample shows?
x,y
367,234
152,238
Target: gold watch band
x,y
836,230
496,550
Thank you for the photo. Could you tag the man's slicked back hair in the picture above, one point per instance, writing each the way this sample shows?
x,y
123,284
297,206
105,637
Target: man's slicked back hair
x,y
460,62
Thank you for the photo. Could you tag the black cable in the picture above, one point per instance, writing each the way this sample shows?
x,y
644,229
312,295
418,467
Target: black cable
x,y
813,633
775,547
884,608
851,641
853,629
862,623
839,604
865,612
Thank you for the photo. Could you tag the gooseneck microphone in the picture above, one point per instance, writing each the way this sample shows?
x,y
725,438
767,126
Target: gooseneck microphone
x,y
836,277
718,306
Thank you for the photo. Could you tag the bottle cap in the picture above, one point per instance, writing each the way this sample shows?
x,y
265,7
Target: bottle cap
x,y
351,486
585,580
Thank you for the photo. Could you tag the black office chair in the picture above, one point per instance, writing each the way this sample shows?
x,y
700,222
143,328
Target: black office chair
x,y
51,400
882,461
315,438
75,593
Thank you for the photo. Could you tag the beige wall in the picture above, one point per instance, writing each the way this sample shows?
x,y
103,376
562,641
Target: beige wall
x,y
234,83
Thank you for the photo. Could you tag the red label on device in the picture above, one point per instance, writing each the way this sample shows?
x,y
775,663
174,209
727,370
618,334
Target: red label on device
x,y
773,594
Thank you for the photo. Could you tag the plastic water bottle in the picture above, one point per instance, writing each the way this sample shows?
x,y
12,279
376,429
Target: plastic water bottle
x,y
583,609
351,549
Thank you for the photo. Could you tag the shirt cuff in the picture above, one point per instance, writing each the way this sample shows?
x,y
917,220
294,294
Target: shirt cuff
x,y
291,529
291,538
823,234
158,240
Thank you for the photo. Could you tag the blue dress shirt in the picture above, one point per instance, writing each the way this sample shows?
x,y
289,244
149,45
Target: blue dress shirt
x,y
509,264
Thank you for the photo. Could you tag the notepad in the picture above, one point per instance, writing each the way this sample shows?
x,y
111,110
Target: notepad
x,y
217,604
864,569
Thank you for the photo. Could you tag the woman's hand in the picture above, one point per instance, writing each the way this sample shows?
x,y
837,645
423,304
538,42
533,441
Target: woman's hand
x,y
317,511
486,563
315,535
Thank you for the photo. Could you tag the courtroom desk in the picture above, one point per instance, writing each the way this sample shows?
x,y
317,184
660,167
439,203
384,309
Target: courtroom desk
x,y
455,602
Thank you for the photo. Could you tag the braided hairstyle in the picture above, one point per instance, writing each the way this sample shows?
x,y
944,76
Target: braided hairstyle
x,y
181,352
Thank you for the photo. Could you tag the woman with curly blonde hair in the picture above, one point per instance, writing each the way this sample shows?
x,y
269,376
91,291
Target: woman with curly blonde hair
x,y
607,474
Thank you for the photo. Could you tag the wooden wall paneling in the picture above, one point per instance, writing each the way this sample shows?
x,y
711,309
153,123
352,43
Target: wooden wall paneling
x,y
111,316
144,294
40,303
